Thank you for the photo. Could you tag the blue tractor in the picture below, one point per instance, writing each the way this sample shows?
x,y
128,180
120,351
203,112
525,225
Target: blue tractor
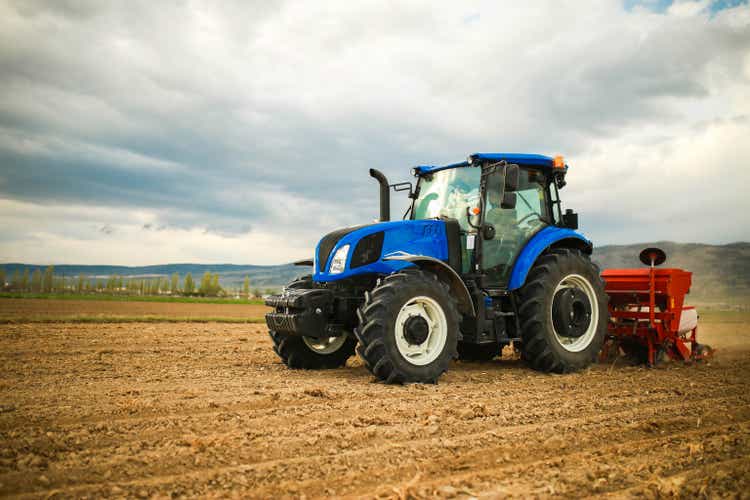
x,y
484,257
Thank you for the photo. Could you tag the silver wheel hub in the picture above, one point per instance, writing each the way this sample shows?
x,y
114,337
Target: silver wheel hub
x,y
421,330
325,345
580,287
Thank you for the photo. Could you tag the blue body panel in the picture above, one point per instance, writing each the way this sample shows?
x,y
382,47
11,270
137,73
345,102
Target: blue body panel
x,y
517,158
417,237
428,169
535,246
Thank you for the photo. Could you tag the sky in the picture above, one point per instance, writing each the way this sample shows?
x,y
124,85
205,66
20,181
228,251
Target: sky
x,y
143,132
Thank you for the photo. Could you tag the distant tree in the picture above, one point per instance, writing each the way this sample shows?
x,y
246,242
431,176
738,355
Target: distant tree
x,y
215,286
36,281
15,282
175,285
205,284
270,291
81,285
25,280
257,293
189,286
246,286
47,279
2,278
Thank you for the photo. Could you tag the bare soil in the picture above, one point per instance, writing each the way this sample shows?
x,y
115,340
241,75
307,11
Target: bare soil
x,y
171,410
45,308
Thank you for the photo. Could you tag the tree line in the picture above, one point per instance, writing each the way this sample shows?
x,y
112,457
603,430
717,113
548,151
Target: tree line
x,y
46,281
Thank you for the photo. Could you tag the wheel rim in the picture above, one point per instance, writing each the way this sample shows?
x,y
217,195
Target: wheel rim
x,y
325,345
578,343
412,316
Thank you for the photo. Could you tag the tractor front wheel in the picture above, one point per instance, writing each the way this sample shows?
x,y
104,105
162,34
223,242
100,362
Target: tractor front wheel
x,y
408,328
312,353
563,312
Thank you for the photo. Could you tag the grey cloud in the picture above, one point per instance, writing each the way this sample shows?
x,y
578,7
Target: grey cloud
x,y
262,107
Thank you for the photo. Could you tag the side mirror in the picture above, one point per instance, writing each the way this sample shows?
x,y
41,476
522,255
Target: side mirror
x,y
509,200
488,232
511,178
404,186
570,219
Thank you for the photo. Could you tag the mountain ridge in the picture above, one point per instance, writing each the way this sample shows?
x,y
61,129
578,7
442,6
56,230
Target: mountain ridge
x,y
721,273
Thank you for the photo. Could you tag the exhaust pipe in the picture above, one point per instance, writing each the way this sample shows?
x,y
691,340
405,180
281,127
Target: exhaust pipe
x,y
385,195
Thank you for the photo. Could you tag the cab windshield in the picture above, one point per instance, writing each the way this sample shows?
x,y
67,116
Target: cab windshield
x,y
448,193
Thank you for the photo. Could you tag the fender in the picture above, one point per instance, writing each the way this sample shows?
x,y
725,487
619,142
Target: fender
x,y
548,237
446,274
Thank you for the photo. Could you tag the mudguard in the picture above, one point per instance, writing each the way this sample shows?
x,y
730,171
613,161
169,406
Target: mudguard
x,y
541,241
445,273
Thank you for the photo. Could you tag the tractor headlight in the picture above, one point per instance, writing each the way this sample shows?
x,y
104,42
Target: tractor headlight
x,y
338,263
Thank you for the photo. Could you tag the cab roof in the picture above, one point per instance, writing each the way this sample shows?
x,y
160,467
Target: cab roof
x,y
532,160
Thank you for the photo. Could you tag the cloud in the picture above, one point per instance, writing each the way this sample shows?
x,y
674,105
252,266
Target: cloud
x,y
254,123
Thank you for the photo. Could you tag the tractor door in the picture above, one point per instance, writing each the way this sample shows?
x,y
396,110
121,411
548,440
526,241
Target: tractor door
x,y
513,226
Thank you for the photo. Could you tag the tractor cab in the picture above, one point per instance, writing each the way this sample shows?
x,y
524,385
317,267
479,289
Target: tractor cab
x,y
499,205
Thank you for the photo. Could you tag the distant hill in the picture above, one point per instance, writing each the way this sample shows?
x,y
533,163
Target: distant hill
x,y
721,273
230,275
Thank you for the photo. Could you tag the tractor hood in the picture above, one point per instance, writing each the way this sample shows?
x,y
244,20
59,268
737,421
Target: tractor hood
x,y
360,249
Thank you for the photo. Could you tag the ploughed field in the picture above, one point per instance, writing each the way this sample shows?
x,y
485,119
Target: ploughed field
x,y
173,409
43,309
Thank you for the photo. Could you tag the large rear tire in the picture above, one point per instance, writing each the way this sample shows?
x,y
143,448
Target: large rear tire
x,y
310,353
408,328
563,312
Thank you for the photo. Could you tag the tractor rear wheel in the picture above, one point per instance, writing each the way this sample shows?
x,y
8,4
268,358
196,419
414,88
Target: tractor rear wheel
x,y
408,328
312,353
563,312
478,352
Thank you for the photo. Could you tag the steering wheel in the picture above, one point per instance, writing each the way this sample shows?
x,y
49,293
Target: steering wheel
x,y
526,217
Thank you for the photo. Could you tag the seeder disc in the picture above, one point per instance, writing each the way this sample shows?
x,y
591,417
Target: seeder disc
x,y
657,254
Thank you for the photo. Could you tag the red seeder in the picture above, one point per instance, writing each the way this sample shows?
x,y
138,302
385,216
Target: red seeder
x,y
648,314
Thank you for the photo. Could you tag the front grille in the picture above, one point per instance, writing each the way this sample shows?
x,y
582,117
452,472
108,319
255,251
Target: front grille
x,y
368,250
